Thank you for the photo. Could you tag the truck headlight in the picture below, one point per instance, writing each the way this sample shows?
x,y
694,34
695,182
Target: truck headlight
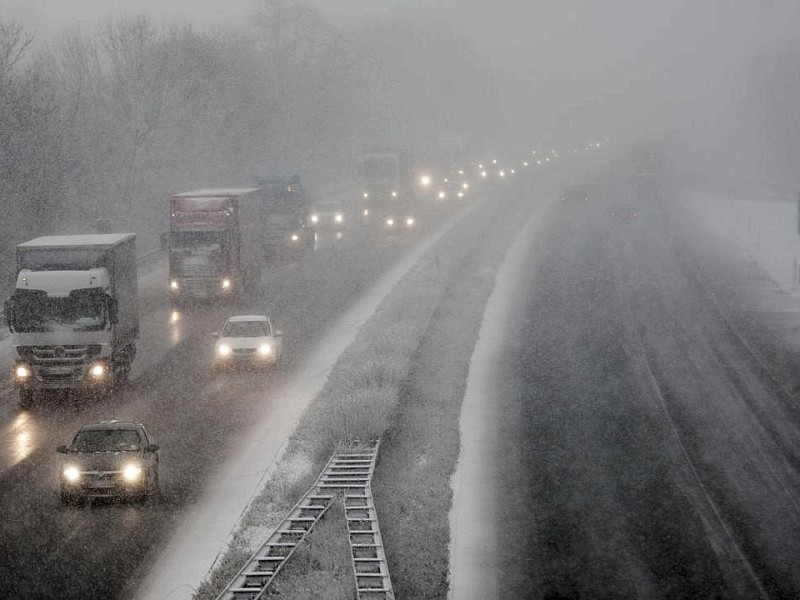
x,y
71,473
265,349
98,370
223,350
174,286
22,372
225,284
132,473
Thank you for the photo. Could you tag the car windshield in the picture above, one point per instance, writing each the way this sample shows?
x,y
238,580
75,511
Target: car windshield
x,y
106,440
245,329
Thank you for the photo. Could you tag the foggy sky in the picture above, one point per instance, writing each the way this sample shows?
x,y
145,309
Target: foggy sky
x,y
576,67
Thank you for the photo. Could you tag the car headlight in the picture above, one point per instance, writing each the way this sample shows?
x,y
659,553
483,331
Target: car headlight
x,y
173,285
265,349
390,222
71,473
442,194
295,237
394,194
338,218
366,212
314,218
425,180
132,472
225,284
98,370
22,372
366,195
223,350
409,221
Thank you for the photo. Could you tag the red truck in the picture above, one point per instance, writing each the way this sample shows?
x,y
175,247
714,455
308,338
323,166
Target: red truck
x,y
216,242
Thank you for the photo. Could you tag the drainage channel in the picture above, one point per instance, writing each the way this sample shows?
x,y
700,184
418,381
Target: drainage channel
x,y
347,474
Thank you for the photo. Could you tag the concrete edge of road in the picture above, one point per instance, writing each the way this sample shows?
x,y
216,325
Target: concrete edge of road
x,y
205,533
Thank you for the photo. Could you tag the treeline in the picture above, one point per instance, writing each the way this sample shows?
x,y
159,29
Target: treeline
x,y
105,124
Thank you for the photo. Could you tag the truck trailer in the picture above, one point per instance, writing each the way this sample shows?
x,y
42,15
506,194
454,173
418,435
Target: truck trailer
x,y
216,242
74,314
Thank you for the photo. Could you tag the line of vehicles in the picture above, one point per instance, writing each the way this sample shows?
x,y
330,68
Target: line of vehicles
x,y
74,316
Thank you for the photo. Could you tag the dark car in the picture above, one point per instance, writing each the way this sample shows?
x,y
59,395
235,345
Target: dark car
x,y
110,459
579,193
623,212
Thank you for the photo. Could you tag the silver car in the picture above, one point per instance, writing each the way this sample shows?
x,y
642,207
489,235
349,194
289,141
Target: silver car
x,y
110,459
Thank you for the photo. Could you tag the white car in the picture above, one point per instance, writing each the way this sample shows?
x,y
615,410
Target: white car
x,y
249,341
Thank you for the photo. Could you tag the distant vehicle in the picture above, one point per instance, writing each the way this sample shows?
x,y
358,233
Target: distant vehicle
x,y
74,314
110,459
389,196
623,212
578,193
249,341
327,214
215,242
286,212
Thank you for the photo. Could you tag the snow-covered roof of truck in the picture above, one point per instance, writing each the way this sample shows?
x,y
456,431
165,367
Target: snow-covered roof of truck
x,y
216,192
90,239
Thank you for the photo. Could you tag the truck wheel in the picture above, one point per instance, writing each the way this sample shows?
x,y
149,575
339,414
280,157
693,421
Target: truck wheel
x,y
26,398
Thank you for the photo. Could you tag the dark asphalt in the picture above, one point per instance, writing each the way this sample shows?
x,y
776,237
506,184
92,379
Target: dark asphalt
x,y
654,457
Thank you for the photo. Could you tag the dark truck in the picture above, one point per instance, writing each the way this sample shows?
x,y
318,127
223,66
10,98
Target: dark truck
x,y
286,218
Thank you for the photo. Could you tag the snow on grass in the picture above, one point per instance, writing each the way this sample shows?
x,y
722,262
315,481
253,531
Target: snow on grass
x,y
357,402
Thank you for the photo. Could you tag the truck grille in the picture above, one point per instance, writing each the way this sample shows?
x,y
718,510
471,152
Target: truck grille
x,y
197,270
59,356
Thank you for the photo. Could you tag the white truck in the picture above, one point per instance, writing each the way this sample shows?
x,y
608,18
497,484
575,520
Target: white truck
x,y
73,314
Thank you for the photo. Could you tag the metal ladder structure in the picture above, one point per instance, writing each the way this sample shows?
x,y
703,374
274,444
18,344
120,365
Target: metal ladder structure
x,y
348,473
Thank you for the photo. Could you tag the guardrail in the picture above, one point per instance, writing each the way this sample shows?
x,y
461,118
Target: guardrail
x,y
140,260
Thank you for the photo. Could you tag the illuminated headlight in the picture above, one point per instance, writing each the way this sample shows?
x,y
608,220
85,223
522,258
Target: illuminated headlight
x,y
22,371
314,218
132,473
173,285
425,180
409,221
366,212
465,186
295,237
501,173
174,317
71,473
442,195
366,194
223,350
225,284
483,174
394,194
338,218
265,349
390,222
97,370
460,194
